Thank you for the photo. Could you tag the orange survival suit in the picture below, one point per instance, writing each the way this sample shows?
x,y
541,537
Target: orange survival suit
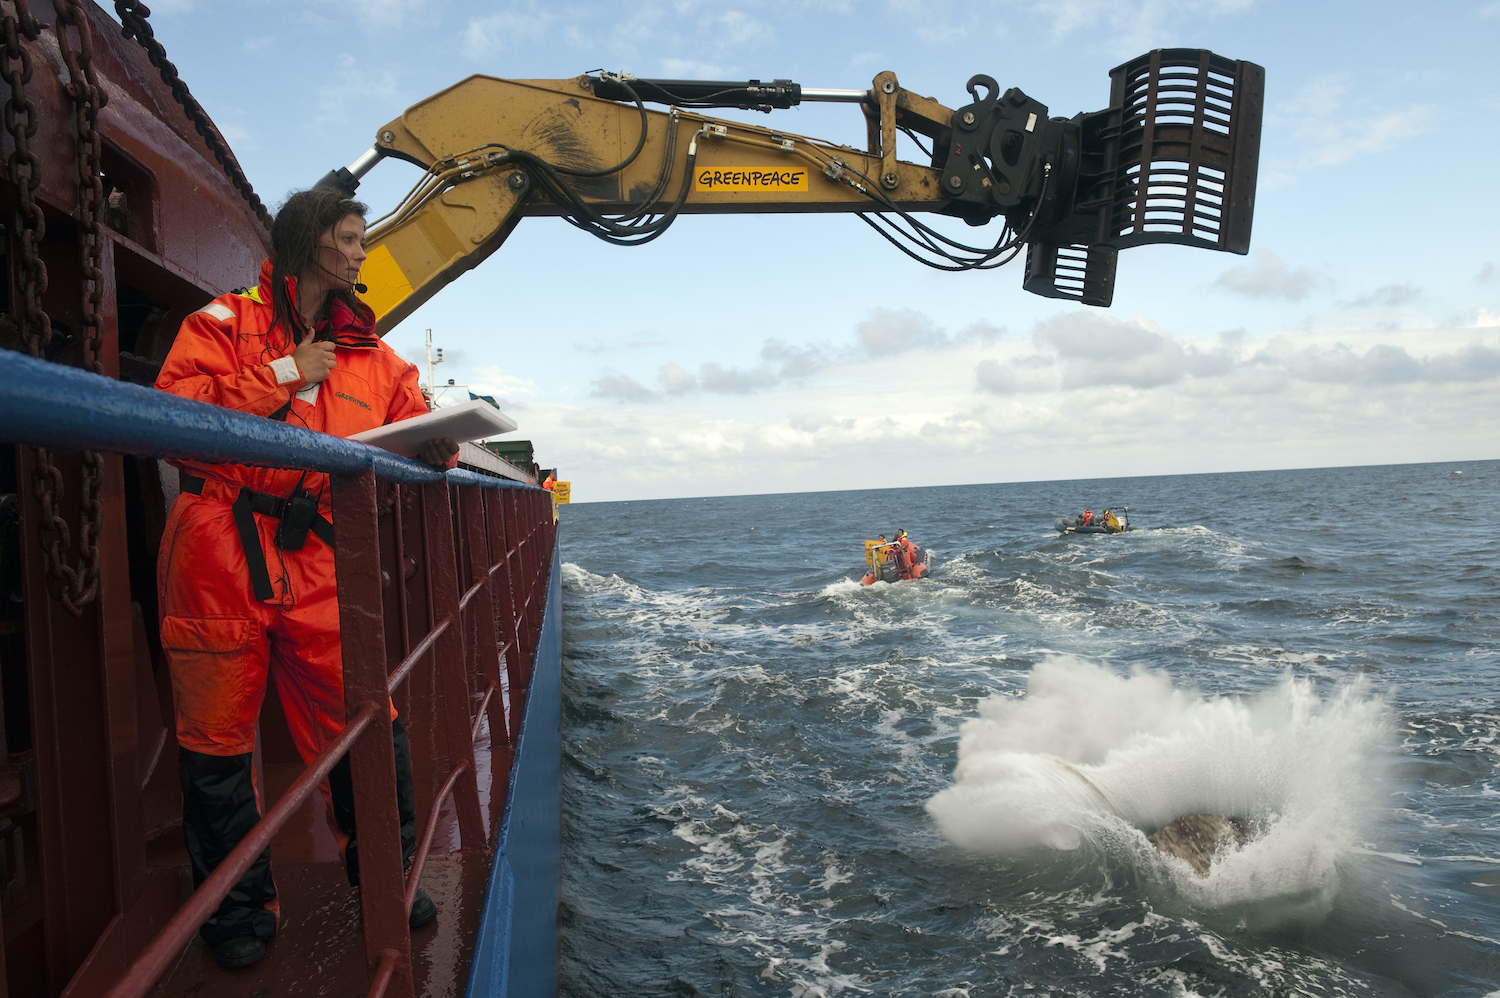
x,y
898,555
911,557
235,606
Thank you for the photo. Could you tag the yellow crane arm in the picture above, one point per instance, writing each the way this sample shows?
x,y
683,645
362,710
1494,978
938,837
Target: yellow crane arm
x,y
475,191
1071,191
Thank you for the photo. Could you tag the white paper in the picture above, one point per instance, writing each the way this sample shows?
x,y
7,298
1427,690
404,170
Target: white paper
x,y
468,421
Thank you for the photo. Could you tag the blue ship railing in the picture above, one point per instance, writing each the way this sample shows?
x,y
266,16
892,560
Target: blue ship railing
x,y
487,621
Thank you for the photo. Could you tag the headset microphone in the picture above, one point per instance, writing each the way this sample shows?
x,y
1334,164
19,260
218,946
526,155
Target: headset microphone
x,y
357,286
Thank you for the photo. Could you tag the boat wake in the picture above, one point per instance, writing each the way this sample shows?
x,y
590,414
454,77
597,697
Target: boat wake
x,y
1089,759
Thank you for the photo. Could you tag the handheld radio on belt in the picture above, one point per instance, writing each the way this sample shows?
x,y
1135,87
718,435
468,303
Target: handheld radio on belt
x,y
297,514
296,518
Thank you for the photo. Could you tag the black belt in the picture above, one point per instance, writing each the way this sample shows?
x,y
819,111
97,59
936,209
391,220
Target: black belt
x,y
247,503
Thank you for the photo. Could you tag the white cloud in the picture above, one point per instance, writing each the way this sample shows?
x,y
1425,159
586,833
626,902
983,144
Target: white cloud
x,y
1093,349
605,346
1388,296
621,388
1371,135
1118,25
1099,350
690,69
812,422
883,334
736,380
675,381
354,84
797,361
484,36
1325,131
671,39
1027,374
738,29
1135,20
491,379
892,331
1339,364
1081,351
1127,27
1152,404
239,137
1487,274
379,15
1269,277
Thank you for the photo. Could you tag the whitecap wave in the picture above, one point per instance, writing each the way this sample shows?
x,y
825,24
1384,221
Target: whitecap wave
x,y
843,587
1090,756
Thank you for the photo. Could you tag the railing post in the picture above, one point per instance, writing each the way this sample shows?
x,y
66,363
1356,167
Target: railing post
x,y
520,669
505,606
540,508
372,758
452,682
488,644
534,589
485,522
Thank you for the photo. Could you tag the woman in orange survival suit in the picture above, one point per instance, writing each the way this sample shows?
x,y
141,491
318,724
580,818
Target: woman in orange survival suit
x,y
242,596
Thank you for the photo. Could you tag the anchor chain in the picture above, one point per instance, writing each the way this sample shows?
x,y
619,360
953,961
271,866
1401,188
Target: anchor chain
x,y
133,16
88,98
77,588
25,171
74,587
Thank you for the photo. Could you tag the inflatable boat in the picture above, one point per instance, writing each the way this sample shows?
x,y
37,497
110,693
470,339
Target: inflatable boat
x,y
1067,526
890,562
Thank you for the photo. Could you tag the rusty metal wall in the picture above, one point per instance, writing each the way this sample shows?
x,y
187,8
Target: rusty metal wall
x,y
88,737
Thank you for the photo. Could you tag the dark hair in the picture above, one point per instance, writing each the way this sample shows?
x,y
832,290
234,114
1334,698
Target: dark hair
x,y
301,222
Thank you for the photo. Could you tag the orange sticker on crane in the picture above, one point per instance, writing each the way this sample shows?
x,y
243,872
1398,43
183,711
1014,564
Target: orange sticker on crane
x,y
760,180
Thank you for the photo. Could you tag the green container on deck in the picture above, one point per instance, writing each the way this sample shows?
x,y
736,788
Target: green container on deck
x,y
517,452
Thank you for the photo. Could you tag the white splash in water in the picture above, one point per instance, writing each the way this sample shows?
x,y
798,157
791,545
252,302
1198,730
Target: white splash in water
x,y
843,587
1089,755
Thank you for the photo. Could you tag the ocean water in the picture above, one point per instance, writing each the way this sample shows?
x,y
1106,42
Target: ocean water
x,y
777,782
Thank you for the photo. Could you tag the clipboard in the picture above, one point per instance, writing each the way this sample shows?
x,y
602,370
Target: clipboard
x,y
463,422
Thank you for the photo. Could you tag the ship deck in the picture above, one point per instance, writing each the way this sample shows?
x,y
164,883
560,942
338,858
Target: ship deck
x,y
319,948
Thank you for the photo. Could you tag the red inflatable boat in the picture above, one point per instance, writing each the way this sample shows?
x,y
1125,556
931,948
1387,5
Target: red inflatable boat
x,y
893,561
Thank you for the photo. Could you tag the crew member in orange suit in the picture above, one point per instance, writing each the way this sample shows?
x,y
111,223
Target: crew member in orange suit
x,y
244,593
911,554
898,554
907,546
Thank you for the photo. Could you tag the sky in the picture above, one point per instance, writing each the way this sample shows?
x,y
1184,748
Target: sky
x,y
776,353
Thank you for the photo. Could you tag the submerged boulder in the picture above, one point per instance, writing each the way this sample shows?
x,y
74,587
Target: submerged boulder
x,y
1201,838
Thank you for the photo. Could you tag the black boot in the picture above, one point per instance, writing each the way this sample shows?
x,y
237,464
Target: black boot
x,y
240,951
341,783
218,810
423,911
